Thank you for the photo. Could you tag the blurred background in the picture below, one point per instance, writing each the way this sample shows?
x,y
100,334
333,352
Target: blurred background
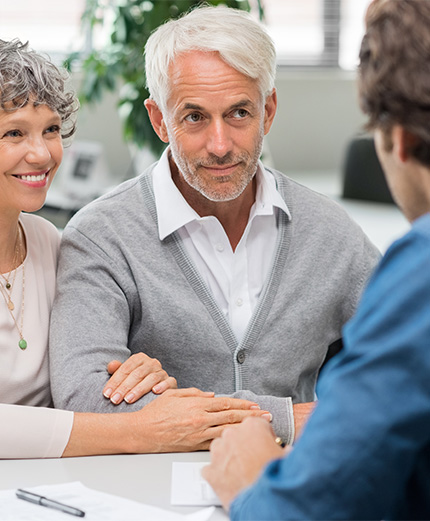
x,y
317,137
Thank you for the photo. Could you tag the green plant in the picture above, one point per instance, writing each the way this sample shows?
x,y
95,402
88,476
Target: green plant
x,y
120,64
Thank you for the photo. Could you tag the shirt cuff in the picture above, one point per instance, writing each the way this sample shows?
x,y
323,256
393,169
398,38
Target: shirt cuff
x,y
290,431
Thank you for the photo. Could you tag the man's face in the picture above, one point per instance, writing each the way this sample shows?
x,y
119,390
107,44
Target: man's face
x,y
215,121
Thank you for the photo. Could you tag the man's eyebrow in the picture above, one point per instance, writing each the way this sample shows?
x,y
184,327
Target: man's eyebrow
x,y
242,103
237,105
191,106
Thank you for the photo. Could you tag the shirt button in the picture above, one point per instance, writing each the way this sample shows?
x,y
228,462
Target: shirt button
x,y
220,247
239,302
240,357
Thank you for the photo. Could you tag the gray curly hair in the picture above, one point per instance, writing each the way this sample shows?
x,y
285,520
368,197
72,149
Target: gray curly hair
x,y
26,75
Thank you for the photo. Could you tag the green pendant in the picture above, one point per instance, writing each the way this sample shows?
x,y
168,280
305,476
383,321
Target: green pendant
x,y
22,344
7,285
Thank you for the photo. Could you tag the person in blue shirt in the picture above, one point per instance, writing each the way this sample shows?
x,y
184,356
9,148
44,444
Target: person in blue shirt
x,y
365,451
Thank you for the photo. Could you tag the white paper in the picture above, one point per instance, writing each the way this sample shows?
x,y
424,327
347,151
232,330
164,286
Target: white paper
x,y
188,486
98,506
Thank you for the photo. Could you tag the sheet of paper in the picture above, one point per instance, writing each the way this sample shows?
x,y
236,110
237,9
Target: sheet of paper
x,y
188,486
97,506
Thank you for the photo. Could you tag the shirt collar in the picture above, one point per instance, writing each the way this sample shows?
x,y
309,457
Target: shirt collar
x,y
173,211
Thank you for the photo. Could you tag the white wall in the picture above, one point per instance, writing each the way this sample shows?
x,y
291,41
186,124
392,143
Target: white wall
x,y
100,122
317,115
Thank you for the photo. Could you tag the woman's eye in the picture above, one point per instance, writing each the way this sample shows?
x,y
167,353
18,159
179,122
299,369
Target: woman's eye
x,y
53,129
194,117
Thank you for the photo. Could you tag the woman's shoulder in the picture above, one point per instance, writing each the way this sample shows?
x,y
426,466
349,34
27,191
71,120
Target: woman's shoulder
x,y
43,238
38,228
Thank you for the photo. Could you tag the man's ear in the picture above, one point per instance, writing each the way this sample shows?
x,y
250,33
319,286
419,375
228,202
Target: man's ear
x,y
270,110
157,119
404,143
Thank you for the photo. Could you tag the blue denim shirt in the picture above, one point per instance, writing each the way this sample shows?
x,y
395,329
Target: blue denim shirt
x,y
365,453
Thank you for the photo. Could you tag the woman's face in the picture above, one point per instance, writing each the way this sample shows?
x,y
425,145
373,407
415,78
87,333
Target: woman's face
x,y
31,151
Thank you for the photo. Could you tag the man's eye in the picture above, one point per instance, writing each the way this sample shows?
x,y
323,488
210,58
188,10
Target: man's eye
x,y
13,133
194,117
240,113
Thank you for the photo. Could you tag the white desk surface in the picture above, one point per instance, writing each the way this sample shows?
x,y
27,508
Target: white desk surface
x,y
145,477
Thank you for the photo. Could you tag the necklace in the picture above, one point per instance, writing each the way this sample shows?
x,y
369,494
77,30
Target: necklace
x,y
8,285
22,342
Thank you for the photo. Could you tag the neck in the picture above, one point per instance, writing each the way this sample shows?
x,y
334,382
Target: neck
x,y
8,244
233,215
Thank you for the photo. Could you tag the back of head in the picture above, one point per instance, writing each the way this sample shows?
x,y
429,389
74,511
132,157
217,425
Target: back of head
x,y
394,71
26,76
239,39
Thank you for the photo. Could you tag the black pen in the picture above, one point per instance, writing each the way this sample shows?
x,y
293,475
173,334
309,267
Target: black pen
x,y
50,503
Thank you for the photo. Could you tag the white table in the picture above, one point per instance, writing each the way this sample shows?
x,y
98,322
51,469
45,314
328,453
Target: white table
x,y
145,477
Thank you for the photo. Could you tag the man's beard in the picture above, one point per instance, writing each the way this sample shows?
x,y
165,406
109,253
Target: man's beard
x,y
246,163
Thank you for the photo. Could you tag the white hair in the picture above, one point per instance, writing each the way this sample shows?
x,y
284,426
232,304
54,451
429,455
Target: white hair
x,y
241,41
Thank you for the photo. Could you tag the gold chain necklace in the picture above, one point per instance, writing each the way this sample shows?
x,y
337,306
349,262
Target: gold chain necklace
x,y
22,342
8,285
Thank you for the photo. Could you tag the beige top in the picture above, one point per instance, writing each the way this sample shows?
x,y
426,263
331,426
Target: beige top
x,y
39,431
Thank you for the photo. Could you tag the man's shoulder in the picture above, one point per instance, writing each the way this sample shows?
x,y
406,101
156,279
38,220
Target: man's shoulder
x,y
302,200
118,205
421,226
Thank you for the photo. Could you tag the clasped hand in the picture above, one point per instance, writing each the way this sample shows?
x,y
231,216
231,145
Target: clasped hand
x,y
136,377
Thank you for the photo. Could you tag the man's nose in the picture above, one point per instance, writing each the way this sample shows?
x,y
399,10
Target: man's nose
x,y
220,142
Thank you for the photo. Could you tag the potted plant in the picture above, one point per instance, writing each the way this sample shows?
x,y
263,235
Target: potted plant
x,y
119,66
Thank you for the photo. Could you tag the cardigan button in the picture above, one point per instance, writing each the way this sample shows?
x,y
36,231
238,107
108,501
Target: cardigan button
x,y
240,357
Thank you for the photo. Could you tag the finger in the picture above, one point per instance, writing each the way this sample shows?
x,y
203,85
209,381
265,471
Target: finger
x,y
237,416
168,383
138,366
144,386
206,471
190,392
121,383
113,366
136,385
224,403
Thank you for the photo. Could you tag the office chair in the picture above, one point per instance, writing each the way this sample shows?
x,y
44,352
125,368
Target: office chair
x,y
363,177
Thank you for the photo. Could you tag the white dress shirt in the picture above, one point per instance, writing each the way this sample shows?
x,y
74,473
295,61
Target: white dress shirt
x,y
234,278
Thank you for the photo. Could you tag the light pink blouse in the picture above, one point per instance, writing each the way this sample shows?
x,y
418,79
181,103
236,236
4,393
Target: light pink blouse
x,y
37,431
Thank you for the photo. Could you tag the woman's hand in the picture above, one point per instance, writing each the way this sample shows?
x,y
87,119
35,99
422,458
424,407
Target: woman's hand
x,y
182,420
136,377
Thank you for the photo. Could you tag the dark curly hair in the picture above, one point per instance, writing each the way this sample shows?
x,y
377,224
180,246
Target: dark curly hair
x,y
394,70
26,75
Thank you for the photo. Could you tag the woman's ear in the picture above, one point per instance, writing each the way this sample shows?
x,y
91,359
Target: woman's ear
x,y
157,119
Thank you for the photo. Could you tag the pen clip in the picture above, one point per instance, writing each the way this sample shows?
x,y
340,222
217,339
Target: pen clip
x,y
29,496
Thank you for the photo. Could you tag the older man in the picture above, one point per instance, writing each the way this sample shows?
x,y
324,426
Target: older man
x,y
237,279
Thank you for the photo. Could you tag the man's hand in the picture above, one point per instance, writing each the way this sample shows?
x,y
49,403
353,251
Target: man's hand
x,y
136,377
239,456
301,411
189,419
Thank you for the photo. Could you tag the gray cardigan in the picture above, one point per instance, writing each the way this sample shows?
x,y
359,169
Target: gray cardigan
x,y
121,290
